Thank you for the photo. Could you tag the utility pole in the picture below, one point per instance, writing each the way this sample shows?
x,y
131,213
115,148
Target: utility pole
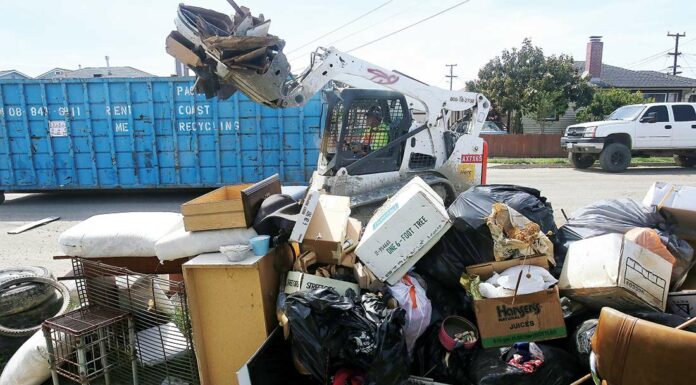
x,y
451,75
676,52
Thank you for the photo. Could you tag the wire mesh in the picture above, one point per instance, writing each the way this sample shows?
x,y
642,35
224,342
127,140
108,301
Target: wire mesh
x,y
163,344
89,343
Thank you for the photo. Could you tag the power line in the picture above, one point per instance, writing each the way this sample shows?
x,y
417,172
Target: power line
x,y
451,75
676,52
340,27
408,26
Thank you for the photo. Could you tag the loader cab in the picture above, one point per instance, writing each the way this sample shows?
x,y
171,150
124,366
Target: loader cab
x,y
353,138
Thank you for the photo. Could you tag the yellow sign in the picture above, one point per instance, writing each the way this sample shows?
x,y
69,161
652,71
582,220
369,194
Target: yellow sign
x,y
469,170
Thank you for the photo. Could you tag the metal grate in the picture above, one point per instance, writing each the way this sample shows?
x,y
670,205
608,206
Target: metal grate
x,y
163,344
90,343
361,138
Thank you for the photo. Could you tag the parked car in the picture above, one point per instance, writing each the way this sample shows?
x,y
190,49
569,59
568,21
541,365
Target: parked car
x,y
492,128
652,129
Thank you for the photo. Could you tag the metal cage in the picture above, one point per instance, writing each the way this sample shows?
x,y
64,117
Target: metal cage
x,y
163,345
90,343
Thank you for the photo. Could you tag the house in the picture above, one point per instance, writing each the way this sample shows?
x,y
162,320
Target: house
x,y
13,75
95,72
652,84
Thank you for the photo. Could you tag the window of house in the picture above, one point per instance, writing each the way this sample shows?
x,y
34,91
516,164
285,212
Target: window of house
x,y
683,113
657,97
692,98
660,112
673,97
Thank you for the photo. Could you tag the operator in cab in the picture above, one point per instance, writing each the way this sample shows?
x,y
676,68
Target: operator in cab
x,y
375,135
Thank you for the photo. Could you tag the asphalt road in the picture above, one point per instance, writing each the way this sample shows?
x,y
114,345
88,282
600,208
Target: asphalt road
x,y
566,188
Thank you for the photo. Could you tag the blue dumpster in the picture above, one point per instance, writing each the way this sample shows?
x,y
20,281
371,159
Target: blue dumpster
x,y
147,133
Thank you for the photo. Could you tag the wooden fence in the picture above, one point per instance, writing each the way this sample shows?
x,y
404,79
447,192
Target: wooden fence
x,y
524,146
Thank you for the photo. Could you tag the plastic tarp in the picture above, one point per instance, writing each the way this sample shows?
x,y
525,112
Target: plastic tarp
x,y
131,234
469,241
330,331
621,216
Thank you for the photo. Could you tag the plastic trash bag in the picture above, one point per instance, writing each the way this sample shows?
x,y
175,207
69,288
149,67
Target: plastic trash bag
x,y
621,216
330,331
533,279
582,342
469,241
413,299
490,368
447,301
429,359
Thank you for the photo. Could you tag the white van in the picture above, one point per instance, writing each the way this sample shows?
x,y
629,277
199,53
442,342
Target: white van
x,y
634,130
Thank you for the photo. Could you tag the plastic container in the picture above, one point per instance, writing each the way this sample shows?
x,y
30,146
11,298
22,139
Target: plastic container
x,y
260,244
236,253
452,326
136,133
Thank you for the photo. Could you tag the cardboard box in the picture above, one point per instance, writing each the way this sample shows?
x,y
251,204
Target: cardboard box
x,y
682,303
528,317
228,207
677,204
403,230
297,281
327,228
612,271
182,49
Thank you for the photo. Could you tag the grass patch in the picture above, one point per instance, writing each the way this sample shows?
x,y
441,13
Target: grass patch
x,y
564,161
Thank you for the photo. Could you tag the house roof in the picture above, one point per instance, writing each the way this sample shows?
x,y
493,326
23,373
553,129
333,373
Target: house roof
x,y
7,72
613,76
111,72
54,73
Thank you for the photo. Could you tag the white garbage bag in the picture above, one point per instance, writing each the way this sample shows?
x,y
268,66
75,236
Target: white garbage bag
x,y
412,298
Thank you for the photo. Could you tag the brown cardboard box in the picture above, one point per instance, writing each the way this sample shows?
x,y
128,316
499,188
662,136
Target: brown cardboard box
x,y
528,317
328,228
228,207
179,47
297,281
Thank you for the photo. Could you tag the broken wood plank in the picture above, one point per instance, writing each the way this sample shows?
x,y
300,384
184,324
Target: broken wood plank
x,y
31,225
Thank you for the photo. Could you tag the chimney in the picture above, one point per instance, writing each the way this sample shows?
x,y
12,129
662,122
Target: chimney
x,y
593,57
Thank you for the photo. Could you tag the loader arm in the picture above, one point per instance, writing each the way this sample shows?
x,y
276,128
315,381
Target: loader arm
x,y
332,64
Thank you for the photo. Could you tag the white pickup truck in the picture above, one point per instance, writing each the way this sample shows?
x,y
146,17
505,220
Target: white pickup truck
x,y
634,130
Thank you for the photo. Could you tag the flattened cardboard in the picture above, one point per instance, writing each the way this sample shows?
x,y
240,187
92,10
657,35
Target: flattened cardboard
x,y
612,271
308,206
529,317
682,303
297,281
176,45
402,231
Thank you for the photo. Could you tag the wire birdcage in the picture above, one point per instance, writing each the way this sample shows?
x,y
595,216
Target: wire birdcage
x,y
90,343
163,344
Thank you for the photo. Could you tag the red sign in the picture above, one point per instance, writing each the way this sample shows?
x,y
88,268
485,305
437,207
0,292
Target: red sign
x,y
472,158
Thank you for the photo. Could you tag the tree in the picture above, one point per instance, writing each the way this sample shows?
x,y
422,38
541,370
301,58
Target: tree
x,y
525,81
605,101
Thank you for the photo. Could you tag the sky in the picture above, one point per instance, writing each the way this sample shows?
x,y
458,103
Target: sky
x,y
41,35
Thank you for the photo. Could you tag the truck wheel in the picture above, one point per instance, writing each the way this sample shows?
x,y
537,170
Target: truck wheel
x,y
581,161
685,161
22,297
615,158
26,330
2,197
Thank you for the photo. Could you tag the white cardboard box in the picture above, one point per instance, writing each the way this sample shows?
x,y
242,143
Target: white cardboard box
x,y
402,231
297,281
612,271
677,203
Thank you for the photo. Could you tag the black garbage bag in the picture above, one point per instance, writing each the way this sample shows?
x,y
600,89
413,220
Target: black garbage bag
x,y
469,240
429,359
276,217
490,368
582,342
621,216
447,301
330,331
